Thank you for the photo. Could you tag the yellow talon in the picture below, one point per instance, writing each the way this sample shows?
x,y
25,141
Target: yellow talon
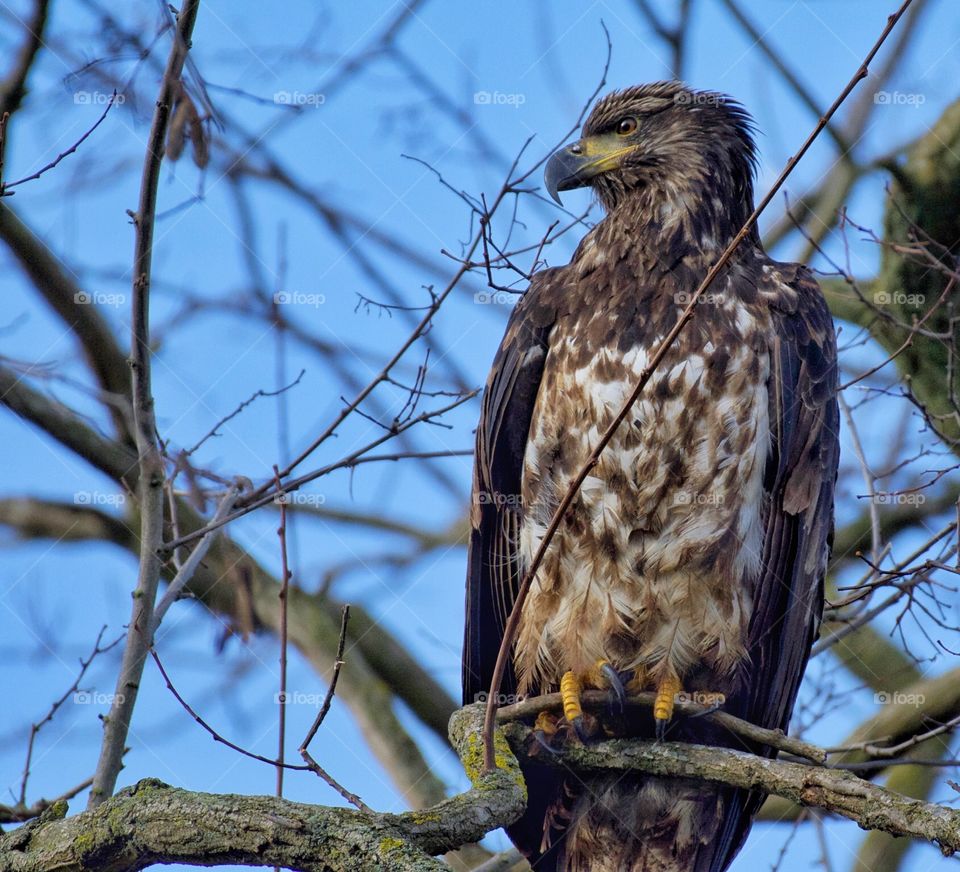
x,y
570,696
546,723
663,704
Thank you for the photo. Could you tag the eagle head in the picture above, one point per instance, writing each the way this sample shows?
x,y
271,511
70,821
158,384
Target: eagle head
x,y
685,146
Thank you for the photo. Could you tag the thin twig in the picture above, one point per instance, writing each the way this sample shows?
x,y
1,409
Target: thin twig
x,y
352,460
868,478
54,708
324,708
213,733
189,567
251,399
4,188
284,589
332,689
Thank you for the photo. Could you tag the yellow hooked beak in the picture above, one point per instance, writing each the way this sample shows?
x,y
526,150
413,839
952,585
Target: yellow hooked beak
x,y
575,165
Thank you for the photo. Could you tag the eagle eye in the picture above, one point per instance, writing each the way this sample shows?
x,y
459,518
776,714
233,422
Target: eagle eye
x,y
626,126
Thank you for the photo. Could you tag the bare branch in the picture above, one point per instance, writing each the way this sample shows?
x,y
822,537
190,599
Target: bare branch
x,y
117,723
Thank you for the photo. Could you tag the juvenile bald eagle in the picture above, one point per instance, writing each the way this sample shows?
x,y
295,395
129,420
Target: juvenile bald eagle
x,y
694,554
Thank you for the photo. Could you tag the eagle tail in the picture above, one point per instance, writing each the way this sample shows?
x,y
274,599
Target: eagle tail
x,y
635,824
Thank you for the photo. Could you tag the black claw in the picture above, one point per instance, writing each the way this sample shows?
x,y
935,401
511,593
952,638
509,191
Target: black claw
x,y
618,693
661,729
580,728
540,737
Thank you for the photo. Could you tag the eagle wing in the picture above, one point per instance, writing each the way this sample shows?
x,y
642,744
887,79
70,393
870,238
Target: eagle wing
x,y
493,573
798,490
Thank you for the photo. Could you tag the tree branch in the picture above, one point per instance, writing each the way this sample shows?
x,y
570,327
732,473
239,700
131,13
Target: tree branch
x,y
153,823
76,308
150,492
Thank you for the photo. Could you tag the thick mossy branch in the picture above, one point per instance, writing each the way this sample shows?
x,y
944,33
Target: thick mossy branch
x,y
833,790
155,823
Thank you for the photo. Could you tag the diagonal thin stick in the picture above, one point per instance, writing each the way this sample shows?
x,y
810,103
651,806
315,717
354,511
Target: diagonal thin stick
x,y
284,591
312,764
510,631
186,572
338,663
210,730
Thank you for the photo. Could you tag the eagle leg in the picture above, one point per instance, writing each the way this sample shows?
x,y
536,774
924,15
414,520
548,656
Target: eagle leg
x,y
571,685
667,689
544,729
570,697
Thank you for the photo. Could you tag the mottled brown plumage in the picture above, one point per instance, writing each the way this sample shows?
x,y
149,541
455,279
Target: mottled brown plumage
x,y
696,548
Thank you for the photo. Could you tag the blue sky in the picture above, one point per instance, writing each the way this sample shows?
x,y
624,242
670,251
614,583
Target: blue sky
x,y
537,62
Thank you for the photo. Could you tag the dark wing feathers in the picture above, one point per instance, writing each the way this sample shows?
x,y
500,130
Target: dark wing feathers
x,y
493,565
799,486
800,483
